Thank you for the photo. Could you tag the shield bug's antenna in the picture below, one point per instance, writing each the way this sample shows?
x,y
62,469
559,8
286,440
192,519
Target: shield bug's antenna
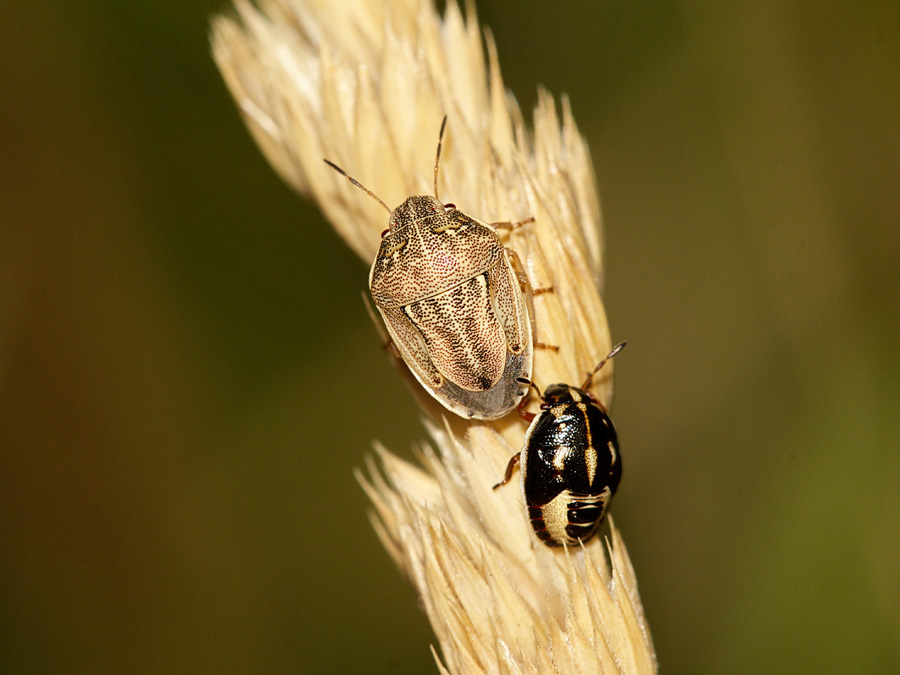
x,y
532,385
615,350
357,184
437,157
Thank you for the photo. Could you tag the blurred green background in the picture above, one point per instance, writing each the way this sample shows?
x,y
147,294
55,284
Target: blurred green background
x,y
186,365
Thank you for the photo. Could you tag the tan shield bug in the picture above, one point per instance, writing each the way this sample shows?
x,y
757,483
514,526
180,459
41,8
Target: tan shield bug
x,y
570,463
456,303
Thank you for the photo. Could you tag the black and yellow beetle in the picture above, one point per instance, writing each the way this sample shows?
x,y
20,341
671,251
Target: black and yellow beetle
x,y
570,462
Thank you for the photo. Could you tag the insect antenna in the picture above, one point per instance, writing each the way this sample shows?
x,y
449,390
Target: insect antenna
x,y
437,157
521,408
358,184
615,350
532,385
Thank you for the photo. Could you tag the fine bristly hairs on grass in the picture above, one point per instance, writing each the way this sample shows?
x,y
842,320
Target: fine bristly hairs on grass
x,y
366,84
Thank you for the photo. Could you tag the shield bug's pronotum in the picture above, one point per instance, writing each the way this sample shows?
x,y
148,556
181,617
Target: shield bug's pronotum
x,y
570,463
455,302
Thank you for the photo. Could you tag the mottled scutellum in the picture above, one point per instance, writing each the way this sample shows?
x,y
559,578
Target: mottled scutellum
x,y
366,84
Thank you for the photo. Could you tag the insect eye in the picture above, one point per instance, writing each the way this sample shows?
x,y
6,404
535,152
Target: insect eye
x,y
546,406
449,206
383,234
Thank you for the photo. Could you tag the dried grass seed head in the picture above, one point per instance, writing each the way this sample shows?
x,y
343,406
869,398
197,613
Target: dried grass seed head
x,y
365,84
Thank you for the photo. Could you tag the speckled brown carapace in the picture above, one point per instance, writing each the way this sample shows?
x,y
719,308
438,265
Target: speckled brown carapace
x,y
429,250
454,307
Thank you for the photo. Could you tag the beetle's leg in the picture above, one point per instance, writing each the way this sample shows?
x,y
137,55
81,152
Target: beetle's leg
x,y
509,470
524,414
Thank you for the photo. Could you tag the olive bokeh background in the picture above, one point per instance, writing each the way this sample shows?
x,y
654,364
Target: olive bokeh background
x,y
188,376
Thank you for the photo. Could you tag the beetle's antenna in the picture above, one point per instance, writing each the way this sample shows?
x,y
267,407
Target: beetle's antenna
x,y
437,158
358,184
615,350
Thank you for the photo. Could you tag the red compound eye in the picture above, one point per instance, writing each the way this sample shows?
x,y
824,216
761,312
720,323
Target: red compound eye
x,y
449,206
385,232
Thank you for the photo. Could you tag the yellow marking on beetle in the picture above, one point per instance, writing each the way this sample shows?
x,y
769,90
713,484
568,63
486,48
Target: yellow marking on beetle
x,y
559,458
590,459
556,517
559,411
590,454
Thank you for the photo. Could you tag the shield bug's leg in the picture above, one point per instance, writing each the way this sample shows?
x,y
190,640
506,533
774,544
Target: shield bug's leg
x,y
519,269
509,470
525,283
510,312
529,298
542,345
529,294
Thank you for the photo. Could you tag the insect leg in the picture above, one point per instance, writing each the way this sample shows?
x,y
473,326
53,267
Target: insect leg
x,y
509,470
